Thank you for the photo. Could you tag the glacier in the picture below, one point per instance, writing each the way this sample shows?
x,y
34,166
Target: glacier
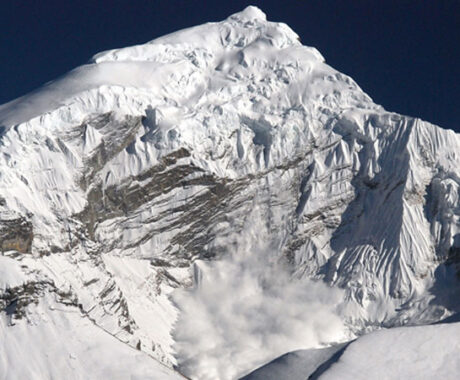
x,y
205,202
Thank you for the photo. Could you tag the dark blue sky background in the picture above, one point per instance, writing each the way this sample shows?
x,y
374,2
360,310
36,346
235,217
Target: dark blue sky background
x,y
404,53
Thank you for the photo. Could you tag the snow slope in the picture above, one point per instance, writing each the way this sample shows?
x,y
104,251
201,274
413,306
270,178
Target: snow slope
x,y
222,163
62,344
55,339
422,352
297,365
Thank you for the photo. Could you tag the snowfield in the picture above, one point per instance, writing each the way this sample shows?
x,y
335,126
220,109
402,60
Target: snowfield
x,y
206,202
58,343
422,352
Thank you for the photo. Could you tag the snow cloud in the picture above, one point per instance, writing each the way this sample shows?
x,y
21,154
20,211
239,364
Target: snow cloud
x,y
245,310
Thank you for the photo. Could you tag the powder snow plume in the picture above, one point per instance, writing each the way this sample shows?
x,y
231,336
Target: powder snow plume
x,y
245,310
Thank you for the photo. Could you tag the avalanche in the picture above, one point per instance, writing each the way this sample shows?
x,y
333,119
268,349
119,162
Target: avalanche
x,y
213,199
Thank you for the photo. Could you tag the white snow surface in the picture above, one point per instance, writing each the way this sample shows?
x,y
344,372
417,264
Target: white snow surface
x,y
224,171
422,352
58,343
11,274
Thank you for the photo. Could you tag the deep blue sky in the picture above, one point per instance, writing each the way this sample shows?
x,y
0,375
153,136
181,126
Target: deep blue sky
x,y
404,53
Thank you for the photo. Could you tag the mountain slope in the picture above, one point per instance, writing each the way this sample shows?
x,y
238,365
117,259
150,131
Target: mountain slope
x,y
423,352
230,160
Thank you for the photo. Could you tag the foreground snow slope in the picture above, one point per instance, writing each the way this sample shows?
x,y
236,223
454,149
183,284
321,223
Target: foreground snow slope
x,y
55,339
297,365
225,148
422,352
58,343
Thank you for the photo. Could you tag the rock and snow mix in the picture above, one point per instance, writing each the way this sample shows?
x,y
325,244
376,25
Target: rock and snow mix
x,y
215,198
245,309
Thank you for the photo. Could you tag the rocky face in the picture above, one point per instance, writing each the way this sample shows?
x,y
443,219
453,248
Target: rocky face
x,y
16,235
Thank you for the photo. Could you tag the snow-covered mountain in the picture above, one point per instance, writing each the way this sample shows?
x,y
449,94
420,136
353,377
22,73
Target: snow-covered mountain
x,y
211,200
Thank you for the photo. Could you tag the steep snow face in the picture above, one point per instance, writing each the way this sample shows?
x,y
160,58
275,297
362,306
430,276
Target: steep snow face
x,y
225,148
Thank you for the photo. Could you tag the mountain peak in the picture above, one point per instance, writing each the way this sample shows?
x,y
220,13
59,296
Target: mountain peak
x,y
250,13
231,157
243,44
